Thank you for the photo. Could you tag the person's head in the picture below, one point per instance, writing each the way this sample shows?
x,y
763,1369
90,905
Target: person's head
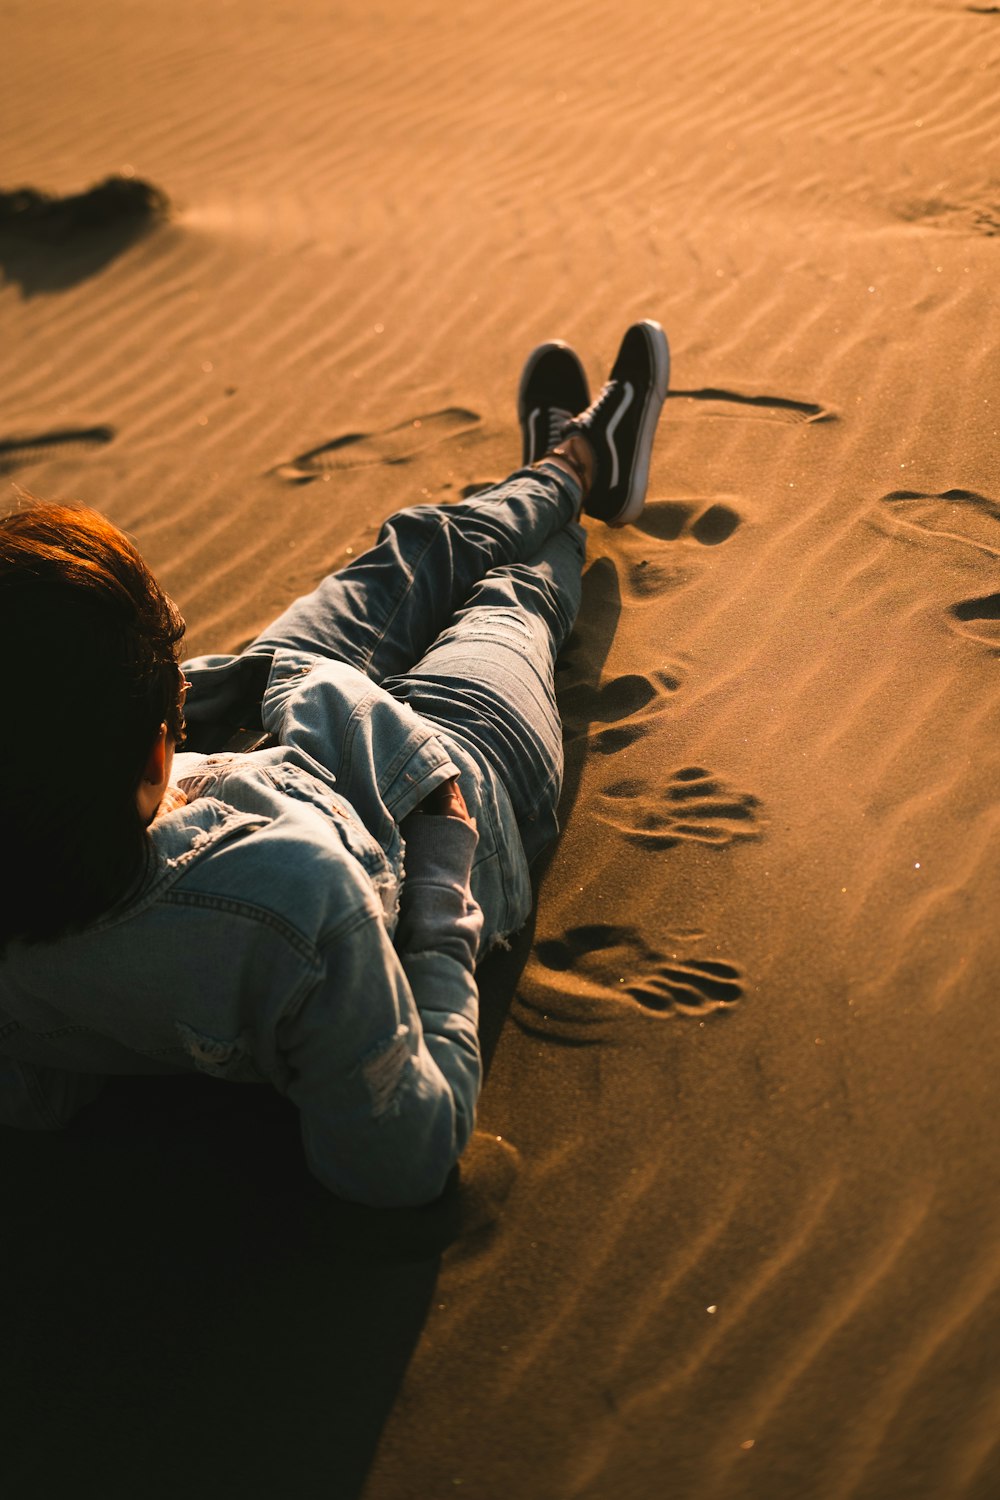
x,y
92,709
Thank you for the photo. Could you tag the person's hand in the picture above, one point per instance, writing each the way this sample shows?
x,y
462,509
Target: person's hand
x,y
446,801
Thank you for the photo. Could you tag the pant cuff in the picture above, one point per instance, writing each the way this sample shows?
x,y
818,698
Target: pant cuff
x,y
569,486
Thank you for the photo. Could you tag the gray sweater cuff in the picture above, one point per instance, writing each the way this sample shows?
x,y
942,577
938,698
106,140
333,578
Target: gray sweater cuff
x,y
437,913
439,850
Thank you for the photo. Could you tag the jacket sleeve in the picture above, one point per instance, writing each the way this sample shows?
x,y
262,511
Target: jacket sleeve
x,y
34,1098
382,1054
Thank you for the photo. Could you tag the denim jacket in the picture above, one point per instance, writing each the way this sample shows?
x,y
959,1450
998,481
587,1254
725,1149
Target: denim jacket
x,y
273,937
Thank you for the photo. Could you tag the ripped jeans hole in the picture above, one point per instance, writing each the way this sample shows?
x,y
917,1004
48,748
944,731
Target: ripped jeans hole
x,y
486,623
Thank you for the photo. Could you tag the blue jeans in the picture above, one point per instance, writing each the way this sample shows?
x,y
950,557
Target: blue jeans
x,y
460,611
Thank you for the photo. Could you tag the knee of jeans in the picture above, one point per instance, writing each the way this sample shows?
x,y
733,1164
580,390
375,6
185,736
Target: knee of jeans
x,y
414,520
550,600
500,623
529,588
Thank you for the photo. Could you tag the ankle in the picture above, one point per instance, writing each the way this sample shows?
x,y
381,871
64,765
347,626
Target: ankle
x,y
575,454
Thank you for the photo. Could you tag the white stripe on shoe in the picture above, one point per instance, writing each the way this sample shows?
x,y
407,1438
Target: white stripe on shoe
x,y
533,434
612,425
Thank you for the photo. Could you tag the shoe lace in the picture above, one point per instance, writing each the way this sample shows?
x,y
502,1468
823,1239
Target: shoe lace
x,y
558,419
607,393
586,419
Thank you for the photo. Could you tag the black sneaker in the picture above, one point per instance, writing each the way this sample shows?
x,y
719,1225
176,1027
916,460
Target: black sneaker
x,y
553,388
621,423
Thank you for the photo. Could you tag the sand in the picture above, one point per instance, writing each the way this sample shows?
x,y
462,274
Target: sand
x,y
729,1224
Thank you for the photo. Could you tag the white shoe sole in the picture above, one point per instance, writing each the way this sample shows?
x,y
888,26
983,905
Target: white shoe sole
x,y
659,350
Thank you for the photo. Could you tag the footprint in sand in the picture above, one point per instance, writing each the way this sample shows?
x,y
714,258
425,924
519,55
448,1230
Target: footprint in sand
x,y
958,515
617,961
27,448
954,218
694,805
661,551
629,705
979,619
393,445
655,555
716,401
680,520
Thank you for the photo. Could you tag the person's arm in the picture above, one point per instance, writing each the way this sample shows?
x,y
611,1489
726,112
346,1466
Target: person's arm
x,y
34,1098
382,1054
439,922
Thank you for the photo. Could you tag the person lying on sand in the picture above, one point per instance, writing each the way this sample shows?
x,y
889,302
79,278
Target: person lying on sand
x,y
309,913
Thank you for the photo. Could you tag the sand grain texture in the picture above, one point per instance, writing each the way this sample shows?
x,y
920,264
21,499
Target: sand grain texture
x,y
740,1238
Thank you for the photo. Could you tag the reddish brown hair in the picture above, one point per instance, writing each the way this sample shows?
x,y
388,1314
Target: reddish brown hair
x,y
90,673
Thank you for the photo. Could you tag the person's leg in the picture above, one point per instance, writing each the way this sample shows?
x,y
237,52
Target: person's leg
x,y
383,611
488,679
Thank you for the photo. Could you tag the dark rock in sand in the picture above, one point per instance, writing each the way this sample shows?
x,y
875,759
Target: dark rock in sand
x,y
48,243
